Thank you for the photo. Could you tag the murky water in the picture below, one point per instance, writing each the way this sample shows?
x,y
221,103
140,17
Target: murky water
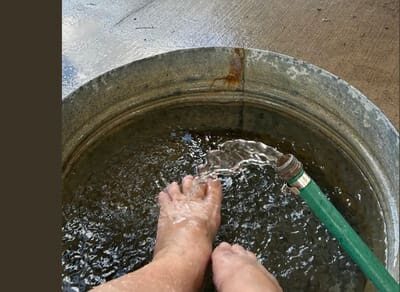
x,y
110,211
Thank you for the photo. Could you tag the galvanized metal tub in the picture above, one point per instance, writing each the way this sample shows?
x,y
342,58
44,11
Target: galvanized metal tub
x,y
245,76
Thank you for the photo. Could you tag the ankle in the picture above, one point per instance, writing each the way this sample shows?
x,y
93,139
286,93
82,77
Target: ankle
x,y
185,270
188,244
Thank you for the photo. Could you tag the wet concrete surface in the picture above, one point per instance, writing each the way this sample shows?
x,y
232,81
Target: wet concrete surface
x,y
356,40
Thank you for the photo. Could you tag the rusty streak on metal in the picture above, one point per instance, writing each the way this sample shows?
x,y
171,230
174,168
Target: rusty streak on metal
x,y
234,78
235,75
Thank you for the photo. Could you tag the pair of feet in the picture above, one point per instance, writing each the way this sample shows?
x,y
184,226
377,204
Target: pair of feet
x,y
189,219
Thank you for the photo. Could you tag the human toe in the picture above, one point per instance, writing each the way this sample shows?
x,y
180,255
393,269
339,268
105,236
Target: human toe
x,y
251,255
214,191
223,246
221,251
187,184
163,198
174,191
239,249
199,189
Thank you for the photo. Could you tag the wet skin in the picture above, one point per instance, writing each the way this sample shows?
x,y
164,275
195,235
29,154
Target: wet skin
x,y
188,221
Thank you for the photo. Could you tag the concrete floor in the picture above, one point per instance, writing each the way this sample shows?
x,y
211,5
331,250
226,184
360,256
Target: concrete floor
x,y
357,40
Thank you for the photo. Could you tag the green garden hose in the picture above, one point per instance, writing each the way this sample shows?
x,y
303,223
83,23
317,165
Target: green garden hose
x,y
291,170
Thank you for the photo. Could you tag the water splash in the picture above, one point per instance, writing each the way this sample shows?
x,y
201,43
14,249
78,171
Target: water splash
x,y
233,155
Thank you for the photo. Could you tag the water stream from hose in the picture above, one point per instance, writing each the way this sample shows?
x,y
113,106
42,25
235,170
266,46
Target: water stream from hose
x,y
233,155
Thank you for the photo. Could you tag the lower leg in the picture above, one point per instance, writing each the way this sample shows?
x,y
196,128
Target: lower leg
x,y
163,274
189,219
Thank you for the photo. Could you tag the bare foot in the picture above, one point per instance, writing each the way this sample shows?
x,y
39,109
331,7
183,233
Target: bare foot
x,y
236,269
189,219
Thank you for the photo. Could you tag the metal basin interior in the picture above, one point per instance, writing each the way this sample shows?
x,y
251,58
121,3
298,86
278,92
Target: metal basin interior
x,y
255,91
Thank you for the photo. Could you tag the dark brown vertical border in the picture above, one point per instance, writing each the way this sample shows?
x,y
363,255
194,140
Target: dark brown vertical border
x,y
30,124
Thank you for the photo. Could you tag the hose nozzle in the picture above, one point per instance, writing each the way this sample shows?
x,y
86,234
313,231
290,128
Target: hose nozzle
x,y
291,171
288,167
